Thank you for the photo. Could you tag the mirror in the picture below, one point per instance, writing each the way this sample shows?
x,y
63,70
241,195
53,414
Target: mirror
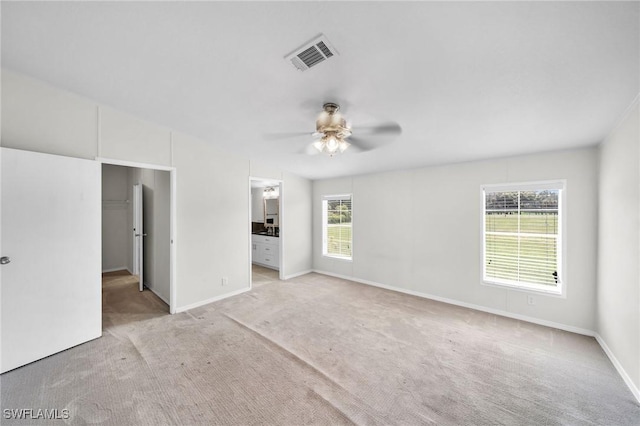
x,y
271,212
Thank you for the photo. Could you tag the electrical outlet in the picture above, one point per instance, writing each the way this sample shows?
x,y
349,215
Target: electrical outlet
x,y
531,300
225,280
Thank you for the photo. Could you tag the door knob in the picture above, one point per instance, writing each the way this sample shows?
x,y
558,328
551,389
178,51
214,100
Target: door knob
x,y
4,260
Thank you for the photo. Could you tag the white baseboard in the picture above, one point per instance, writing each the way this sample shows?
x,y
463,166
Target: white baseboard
x,y
634,389
120,268
298,274
213,299
502,313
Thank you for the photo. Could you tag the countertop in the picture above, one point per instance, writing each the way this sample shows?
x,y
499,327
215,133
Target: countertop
x,y
265,234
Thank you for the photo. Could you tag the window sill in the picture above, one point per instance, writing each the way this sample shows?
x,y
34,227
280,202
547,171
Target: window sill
x,y
532,288
343,258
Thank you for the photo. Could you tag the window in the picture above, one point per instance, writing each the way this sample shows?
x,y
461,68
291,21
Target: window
x,y
336,226
522,236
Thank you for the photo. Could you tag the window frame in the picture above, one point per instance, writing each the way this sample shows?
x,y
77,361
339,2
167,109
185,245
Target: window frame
x,y
325,239
560,289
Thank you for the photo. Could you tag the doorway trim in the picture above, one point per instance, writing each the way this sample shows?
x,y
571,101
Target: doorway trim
x,y
172,220
281,236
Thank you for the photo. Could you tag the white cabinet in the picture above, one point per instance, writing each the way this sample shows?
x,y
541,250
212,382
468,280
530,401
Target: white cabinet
x,y
265,251
254,250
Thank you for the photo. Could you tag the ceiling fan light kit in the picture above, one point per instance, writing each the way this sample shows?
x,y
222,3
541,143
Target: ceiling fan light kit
x,y
330,144
334,129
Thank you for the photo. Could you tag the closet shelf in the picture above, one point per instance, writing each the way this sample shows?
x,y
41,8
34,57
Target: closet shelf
x,y
115,201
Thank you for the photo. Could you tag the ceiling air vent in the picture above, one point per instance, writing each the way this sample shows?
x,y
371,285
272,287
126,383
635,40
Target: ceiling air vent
x,y
310,54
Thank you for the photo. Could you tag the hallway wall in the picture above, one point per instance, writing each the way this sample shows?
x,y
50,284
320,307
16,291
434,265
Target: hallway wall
x,y
157,246
115,212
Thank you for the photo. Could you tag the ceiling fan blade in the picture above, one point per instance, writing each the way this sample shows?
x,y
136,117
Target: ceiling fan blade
x,y
284,135
360,144
309,150
389,128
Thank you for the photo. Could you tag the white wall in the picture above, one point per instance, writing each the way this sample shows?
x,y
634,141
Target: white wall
x,y
213,208
156,197
212,185
420,231
40,118
618,293
148,228
134,175
162,235
115,208
296,224
125,137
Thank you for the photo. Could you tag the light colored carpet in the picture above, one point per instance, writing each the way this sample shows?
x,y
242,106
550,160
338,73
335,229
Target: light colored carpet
x,y
123,303
261,275
320,350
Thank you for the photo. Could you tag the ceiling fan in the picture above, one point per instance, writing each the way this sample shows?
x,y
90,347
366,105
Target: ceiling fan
x,y
332,129
334,135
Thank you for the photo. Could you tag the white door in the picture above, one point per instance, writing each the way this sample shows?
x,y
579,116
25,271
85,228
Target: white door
x,y
138,235
50,293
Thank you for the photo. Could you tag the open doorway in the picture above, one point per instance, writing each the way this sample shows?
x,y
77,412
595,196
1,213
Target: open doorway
x,y
137,258
266,225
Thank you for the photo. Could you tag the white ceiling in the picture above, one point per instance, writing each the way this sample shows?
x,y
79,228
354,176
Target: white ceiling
x,y
465,80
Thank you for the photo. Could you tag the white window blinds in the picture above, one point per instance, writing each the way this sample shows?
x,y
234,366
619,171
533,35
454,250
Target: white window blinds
x,y
523,235
337,229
